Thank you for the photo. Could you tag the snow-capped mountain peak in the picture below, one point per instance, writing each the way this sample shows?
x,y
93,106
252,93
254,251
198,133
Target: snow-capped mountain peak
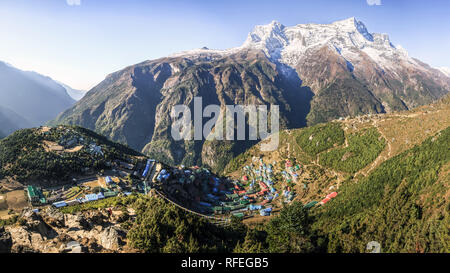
x,y
349,38
353,25
270,38
291,45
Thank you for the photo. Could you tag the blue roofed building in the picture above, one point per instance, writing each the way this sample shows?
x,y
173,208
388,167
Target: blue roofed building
x,y
90,197
108,180
59,204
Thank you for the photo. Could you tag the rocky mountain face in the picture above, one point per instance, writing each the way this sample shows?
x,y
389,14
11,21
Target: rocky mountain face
x,y
133,105
29,99
314,72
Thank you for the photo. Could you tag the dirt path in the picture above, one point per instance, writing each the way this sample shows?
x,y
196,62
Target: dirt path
x,y
289,149
380,157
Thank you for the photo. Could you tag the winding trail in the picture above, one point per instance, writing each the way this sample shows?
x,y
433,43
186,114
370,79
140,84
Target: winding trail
x,y
380,157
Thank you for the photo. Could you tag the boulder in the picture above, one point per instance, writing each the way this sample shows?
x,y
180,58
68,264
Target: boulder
x,y
21,240
34,223
95,218
76,222
74,247
54,217
111,238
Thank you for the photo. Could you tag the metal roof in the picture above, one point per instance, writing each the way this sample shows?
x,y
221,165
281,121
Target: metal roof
x,y
60,204
32,191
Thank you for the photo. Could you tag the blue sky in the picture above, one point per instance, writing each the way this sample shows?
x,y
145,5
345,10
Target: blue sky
x,y
79,44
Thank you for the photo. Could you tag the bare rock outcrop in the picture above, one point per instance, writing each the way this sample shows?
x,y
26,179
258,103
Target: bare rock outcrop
x,y
112,238
51,231
54,217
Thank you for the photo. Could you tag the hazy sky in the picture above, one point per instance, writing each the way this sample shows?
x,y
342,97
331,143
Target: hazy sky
x,y
79,42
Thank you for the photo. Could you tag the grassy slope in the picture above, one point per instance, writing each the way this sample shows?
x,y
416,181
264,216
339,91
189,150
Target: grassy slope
x,y
403,204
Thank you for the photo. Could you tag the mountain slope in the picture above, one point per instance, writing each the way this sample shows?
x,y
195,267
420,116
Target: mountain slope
x,y
34,97
316,73
403,204
133,105
391,173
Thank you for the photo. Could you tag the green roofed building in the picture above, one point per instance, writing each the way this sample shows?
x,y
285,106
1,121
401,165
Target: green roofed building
x,y
245,202
239,215
310,204
110,194
35,196
218,210
232,196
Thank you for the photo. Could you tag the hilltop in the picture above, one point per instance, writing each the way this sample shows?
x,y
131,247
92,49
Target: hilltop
x,y
49,156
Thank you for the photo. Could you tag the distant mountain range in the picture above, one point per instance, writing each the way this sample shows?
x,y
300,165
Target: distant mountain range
x,y
28,99
73,93
315,72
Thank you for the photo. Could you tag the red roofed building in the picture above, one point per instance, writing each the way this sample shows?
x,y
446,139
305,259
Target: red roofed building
x,y
324,201
332,195
262,192
263,185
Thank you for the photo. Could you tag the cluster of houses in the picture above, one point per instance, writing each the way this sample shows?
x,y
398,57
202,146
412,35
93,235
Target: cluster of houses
x,y
264,174
198,189
259,173
194,188
62,198
87,198
71,138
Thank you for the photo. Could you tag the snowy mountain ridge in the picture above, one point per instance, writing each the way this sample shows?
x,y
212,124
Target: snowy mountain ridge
x,y
349,38
289,45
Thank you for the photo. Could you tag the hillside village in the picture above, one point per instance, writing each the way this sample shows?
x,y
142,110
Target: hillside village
x,y
193,188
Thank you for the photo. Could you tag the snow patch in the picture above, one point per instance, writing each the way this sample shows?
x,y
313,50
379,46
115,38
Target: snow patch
x,y
445,70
